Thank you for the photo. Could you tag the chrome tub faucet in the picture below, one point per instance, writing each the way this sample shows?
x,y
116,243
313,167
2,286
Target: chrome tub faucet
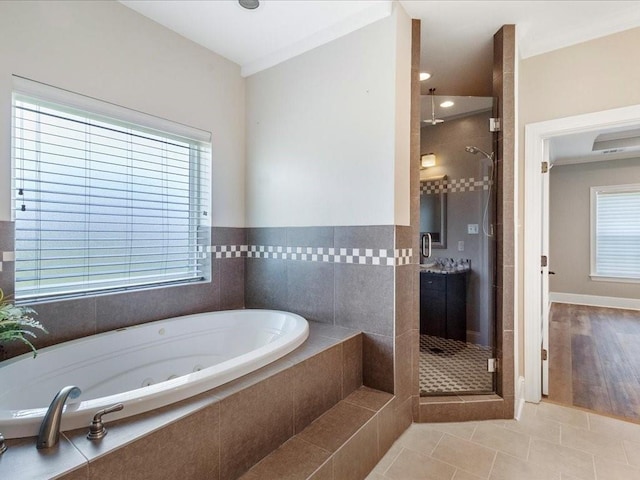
x,y
50,426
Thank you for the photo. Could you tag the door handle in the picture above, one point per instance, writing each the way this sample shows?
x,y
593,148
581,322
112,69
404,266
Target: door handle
x,y
426,245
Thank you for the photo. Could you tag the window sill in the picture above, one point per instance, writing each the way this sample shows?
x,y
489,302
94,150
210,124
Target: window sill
x,y
603,278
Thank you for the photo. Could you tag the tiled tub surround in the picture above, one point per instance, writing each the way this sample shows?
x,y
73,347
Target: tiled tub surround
x,y
342,444
373,294
343,276
357,256
80,317
219,434
145,367
365,283
226,289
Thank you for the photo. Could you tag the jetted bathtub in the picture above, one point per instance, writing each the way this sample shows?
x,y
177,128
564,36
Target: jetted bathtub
x,y
144,367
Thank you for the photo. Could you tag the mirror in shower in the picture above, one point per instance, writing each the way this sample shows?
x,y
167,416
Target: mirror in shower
x,y
457,271
433,213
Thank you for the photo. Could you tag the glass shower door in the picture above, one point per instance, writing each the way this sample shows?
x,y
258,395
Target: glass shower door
x,y
457,278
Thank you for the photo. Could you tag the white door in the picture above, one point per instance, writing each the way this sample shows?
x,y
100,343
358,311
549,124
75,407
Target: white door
x,y
544,275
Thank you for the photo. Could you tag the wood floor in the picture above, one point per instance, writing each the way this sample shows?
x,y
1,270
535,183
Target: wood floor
x,y
594,359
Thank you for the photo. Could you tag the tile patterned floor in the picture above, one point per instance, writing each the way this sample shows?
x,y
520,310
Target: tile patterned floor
x,y
550,442
452,366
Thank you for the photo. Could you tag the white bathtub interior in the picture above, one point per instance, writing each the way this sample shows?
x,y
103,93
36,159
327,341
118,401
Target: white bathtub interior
x,y
145,367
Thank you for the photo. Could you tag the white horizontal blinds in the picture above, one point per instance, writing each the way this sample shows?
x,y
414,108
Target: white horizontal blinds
x,y
103,204
618,233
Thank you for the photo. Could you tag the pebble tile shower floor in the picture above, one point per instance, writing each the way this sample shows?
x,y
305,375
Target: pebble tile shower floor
x,y
451,366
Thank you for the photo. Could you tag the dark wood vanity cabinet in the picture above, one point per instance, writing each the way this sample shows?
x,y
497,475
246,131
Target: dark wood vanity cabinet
x,y
443,305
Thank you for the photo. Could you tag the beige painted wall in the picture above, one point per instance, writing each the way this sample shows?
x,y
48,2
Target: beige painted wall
x,y
569,225
589,77
107,51
328,132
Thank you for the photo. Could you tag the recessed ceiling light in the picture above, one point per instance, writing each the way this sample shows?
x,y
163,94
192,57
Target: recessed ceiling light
x,y
447,104
424,76
249,4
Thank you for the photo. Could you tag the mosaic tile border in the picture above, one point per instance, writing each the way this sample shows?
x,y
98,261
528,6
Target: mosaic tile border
x,y
7,257
454,185
228,251
357,256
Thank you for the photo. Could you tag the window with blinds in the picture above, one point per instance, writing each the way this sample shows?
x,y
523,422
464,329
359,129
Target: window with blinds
x,y
102,203
615,226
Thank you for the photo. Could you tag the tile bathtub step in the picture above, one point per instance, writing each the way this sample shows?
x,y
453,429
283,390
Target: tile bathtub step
x,y
295,459
344,443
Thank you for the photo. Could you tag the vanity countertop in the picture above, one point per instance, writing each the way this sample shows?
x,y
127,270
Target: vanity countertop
x,y
442,269
446,265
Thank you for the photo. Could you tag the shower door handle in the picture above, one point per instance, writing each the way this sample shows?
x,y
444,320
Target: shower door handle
x,y
426,245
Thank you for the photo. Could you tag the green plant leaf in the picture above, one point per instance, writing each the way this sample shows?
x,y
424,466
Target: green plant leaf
x,y
17,323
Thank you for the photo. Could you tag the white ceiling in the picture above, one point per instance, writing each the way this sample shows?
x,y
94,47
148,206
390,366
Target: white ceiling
x,y
462,106
456,40
257,39
456,35
579,147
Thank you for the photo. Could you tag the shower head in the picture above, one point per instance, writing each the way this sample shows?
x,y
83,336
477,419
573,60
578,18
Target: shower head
x,y
487,228
434,120
475,150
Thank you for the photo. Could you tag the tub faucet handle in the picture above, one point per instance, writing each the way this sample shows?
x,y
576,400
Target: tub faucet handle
x,y
97,430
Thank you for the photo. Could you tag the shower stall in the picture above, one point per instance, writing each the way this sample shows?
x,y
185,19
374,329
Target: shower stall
x,y
458,247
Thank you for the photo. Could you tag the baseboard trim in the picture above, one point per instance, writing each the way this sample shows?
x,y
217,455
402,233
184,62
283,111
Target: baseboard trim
x,y
519,406
595,301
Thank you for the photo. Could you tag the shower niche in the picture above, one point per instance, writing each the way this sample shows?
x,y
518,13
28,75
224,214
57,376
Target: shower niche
x,y
458,246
